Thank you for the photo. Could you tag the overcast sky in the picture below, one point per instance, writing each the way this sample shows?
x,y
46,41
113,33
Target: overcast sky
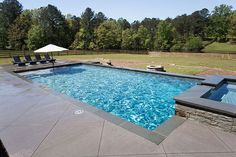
x,y
130,9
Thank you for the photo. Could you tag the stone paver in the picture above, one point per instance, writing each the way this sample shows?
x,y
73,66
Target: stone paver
x,y
193,137
17,97
228,138
22,141
78,140
12,110
43,113
74,135
85,117
118,141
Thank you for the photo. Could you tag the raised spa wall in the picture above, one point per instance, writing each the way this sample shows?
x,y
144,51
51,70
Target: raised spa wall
x,y
191,105
223,122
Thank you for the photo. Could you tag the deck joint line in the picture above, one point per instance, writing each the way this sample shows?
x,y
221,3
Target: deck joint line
x,y
100,141
50,131
226,145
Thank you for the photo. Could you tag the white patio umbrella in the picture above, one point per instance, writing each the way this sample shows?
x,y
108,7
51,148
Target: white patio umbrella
x,y
50,48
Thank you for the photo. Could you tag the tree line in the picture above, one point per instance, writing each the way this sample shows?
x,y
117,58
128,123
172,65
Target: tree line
x,y
31,29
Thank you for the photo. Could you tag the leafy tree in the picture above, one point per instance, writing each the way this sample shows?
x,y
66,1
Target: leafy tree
x,y
169,20
45,25
135,25
219,22
80,40
87,20
127,39
199,22
123,23
3,32
85,36
136,41
164,36
150,24
9,10
144,38
35,15
177,47
73,23
194,44
36,37
98,19
108,35
54,25
178,42
232,26
18,31
182,25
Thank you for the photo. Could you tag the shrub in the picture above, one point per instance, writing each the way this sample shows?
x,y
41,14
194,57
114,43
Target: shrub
x,y
177,47
194,44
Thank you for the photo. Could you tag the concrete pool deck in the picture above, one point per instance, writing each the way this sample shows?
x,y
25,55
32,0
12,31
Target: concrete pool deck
x,y
35,122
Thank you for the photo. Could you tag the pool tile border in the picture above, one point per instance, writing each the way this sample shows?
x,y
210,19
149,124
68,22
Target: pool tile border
x,y
34,68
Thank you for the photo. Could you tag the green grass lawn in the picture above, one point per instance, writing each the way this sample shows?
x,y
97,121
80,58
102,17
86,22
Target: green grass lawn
x,y
217,47
5,61
176,69
184,63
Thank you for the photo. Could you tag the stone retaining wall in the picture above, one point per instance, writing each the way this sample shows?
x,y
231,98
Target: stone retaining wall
x,y
220,121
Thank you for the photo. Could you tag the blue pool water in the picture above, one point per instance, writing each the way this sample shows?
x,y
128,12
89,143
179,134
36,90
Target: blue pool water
x,y
225,93
144,99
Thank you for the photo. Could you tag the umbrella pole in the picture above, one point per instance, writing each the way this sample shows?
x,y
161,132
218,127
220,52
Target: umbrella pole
x,y
52,61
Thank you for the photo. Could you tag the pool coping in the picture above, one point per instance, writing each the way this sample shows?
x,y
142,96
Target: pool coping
x,y
156,136
113,67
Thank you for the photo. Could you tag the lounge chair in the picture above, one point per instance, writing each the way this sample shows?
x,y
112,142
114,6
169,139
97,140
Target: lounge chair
x,y
29,60
39,59
48,58
17,60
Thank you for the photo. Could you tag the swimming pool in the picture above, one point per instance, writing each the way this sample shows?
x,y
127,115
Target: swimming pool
x,y
225,93
145,99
